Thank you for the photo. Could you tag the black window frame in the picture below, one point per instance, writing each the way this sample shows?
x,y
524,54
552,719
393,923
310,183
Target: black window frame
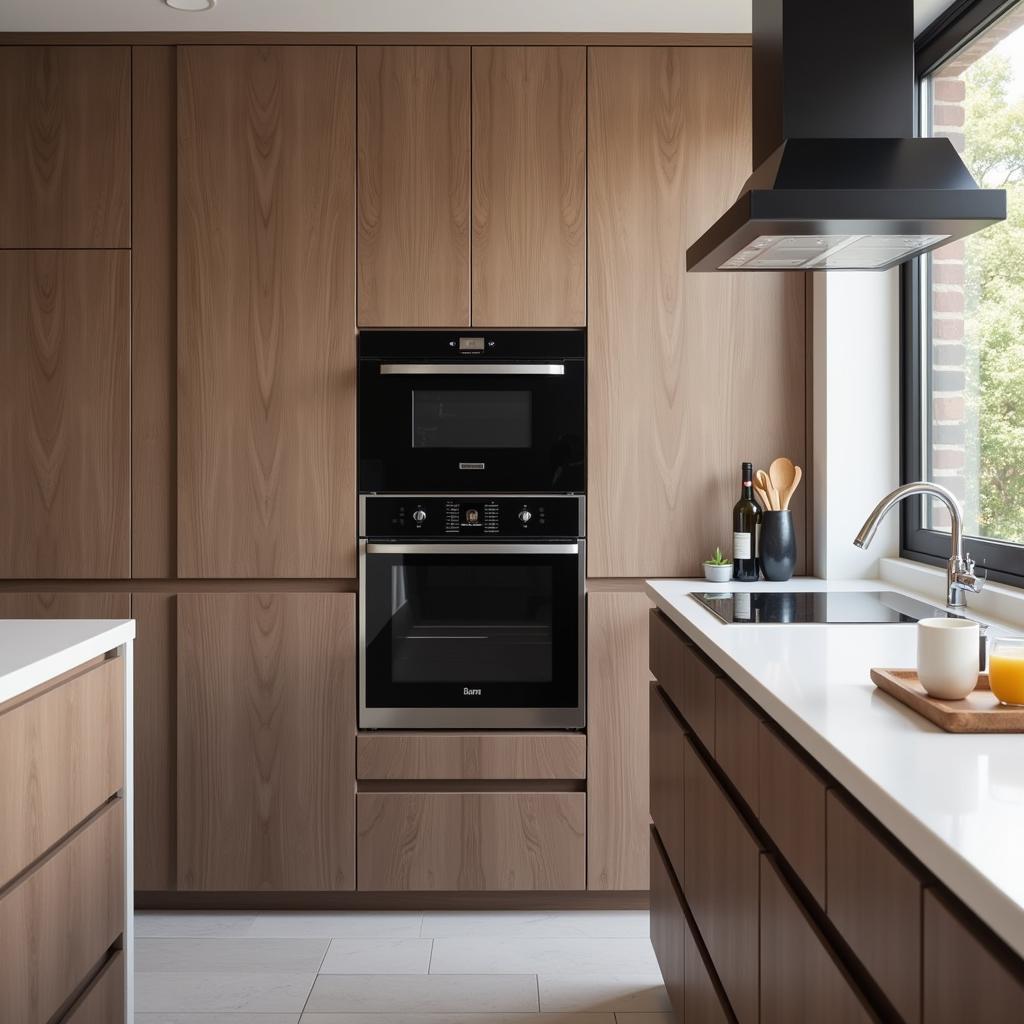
x,y
1003,561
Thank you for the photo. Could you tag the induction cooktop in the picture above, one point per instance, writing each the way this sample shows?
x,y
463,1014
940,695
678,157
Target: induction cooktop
x,y
735,607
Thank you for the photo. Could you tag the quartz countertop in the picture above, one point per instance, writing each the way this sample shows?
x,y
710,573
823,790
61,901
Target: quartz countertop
x,y
955,801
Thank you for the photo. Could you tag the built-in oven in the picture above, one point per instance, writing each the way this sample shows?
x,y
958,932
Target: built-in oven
x,y
471,612
449,411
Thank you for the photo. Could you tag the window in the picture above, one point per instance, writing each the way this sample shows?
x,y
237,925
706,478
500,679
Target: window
x,y
964,306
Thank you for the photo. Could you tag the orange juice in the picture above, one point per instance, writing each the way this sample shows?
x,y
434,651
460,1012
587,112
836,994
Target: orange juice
x,y
1006,670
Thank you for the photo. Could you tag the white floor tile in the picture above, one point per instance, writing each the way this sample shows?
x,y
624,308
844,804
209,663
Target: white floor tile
x,y
537,924
643,993
199,992
217,1018
327,924
377,956
186,924
230,955
458,1018
643,1018
426,993
558,955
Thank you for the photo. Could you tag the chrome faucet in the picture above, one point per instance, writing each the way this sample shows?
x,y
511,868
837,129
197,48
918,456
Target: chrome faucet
x,y
960,574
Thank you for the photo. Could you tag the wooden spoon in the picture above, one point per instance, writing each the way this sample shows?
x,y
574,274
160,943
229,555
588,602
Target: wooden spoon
x,y
766,485
797,477
782,474
762,497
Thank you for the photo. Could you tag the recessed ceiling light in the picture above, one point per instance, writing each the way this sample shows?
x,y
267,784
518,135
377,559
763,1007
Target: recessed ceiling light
x,y
190,5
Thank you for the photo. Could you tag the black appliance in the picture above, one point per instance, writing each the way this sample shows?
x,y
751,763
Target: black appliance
x,y
471,410
471,612
875,607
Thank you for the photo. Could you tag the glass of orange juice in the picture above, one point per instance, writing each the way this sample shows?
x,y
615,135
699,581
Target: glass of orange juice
x,y
1006,668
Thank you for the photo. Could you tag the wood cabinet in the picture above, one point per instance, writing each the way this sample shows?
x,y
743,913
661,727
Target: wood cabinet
x,y
669,928
688,679
668,149
64,147
617,741
668,778
103,1001
266,741
266,356
737,725
414,186
529,186
64,414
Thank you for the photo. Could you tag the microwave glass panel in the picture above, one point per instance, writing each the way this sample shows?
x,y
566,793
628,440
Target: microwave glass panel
x,y
471,419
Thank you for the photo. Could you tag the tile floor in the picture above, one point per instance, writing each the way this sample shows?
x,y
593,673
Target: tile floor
x,y
445,967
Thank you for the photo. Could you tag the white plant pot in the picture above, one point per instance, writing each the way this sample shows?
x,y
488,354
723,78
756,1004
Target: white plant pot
x,y
718,573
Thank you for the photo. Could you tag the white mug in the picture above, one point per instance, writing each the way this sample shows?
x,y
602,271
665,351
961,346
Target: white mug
x,y
947,657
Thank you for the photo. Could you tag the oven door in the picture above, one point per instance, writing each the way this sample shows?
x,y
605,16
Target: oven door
x,y
474,636
451,427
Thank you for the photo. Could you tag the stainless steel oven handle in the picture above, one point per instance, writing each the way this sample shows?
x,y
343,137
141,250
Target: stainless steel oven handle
x,y
472,549
480,369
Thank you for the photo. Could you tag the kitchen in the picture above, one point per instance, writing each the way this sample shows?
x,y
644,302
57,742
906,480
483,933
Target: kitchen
x,y
376,383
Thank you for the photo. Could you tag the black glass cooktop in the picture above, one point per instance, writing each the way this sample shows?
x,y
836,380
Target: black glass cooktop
x,y
871,607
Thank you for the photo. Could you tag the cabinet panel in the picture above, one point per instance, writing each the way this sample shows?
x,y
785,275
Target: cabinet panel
x,y
529,186
737,724
617,742
64,412
38,604
266,741
414,186
667,778
668,150
266,347
689,680
64,147
103,1001
471,841
668,930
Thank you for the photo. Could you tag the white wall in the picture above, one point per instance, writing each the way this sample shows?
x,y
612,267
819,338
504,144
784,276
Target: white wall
x,y
855,356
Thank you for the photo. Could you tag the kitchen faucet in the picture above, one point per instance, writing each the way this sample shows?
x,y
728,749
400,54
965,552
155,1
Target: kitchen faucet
x,y
960,575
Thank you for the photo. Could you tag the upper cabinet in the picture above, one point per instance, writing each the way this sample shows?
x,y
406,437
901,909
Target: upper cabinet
x,y
266,318
65,130
688,374
529,186
414,186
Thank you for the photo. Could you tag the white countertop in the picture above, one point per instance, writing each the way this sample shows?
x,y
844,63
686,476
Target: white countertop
x,y
35,650
955,801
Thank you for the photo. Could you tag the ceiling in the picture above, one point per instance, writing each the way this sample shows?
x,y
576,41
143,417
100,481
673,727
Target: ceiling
x,y
395,15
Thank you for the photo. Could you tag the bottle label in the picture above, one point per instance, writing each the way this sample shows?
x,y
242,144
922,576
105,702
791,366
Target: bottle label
x,y
740,545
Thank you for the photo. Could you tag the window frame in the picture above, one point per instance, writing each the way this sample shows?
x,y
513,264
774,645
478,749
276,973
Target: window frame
x,y
1003,561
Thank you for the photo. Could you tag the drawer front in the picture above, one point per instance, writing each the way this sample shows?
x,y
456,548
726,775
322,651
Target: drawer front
x,y
668,929
445,842
687,678
737,725
704,1002
472,756
792,809
665,642
721,884
800,980
103,1001
61,757
61,918
874,900
668,751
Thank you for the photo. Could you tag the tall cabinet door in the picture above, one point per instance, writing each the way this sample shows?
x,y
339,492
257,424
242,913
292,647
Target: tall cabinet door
x,y
529,186
414,185
266,318
266,742
689,374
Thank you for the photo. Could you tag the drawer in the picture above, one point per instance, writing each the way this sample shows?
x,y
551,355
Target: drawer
x,y
59,920
103,1001
438,755
665,641
800,978
737,724
686,676
721,880
968,974
445,842
792,809
61,757
668,755
668,929
874,900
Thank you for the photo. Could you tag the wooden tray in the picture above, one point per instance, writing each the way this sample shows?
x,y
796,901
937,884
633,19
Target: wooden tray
x,y
979,711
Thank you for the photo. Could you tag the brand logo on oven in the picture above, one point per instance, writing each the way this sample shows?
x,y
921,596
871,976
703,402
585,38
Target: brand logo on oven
x,y
467,692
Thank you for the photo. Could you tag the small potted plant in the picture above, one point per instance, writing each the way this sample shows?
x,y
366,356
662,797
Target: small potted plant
x,y
718,569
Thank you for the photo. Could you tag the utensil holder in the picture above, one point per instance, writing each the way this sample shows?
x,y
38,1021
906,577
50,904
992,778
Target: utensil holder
x,y
778,546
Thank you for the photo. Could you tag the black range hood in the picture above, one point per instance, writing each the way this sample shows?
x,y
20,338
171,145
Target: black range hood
x,y
840,183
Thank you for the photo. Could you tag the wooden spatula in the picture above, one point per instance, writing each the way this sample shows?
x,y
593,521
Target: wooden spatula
x,y
782,473
766,485
797,477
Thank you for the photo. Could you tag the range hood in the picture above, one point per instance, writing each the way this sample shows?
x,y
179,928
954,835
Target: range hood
x,y
840,183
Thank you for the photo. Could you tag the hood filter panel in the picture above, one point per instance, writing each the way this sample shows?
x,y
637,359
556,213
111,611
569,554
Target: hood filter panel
x,y
829,252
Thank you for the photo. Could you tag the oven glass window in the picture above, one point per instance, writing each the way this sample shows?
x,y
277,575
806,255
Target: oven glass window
x,y
471,419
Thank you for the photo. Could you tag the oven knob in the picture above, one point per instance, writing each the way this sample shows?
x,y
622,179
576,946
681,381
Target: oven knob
x,y
419,515
525,516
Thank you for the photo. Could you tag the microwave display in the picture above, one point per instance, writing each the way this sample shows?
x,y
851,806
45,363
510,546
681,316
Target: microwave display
x,y
472,419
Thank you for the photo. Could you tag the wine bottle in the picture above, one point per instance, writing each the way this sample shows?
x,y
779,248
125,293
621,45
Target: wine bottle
x,y
746,524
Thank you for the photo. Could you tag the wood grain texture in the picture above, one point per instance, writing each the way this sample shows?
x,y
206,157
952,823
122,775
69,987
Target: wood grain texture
x,y
439,755
668,930
39,604
154,309
968,975
800,980
414,186
103,1001
471,841
155,726
874,900
693,692
266,741
64,414
61,758
64,147
737,726
667,778
529,186
704,1001
266,340
688,374
57,923
617,741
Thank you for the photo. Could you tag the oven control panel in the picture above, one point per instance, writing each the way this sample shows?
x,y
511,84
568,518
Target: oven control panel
x,y
472,517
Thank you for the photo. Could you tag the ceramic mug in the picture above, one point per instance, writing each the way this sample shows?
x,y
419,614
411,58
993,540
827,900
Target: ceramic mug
x,y
947,657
